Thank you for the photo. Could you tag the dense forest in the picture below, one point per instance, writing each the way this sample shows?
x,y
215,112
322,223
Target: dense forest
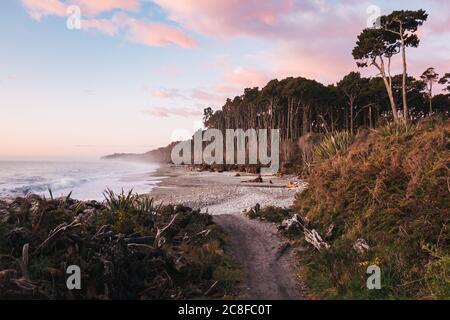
x,y
299,106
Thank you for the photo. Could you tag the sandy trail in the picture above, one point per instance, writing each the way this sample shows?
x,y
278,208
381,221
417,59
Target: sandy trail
x,y
268,273
267,268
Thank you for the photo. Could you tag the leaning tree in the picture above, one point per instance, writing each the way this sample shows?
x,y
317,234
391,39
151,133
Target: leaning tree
x,y
400,31
373,50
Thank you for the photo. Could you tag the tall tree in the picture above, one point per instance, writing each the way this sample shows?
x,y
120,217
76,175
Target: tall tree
x,y
430,76
401,27
372,50
351,85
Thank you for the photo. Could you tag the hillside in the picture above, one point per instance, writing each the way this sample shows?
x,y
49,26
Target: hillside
x,y
160,155
391,192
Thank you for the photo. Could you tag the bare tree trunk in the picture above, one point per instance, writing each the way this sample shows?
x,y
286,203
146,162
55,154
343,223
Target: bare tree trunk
x,y
405,100
351,102
388,84
430,97
305,126
332,120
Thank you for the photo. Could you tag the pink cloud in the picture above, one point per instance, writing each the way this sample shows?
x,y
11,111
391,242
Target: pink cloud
x,y
158,34
232,83
137,31
164,112
246,77
38,9
95,7
226,17
153,33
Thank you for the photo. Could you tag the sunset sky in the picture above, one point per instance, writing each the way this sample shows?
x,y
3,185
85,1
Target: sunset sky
x,y
141,72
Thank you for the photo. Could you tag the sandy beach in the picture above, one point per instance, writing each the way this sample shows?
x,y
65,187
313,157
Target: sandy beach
x,y
221,193
268,268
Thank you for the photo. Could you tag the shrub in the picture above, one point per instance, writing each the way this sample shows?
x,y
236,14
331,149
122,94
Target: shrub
x,y
333,144
396,129
269,213
127,248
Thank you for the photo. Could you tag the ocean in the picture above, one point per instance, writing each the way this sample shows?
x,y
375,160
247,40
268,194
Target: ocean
x,y
86,180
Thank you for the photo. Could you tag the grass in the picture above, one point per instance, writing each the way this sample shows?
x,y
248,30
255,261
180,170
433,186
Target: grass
x,y
333,144
269,213
393,190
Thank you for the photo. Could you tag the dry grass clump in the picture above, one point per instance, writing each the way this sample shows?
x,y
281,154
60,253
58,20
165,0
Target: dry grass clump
x,y
393,190
269,213
126,247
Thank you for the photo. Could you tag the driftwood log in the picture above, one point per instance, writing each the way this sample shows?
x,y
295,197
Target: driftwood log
x,y
296,224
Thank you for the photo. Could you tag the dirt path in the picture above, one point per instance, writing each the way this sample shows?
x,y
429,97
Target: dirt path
x,y
257,247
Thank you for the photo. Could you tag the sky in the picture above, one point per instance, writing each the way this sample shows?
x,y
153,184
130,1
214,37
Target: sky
x,y
138,73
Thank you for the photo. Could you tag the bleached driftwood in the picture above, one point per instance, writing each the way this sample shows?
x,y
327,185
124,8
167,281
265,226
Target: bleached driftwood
x,y
24,261
158,239
329,232
293,224
297,224
361,246
314,238
58,231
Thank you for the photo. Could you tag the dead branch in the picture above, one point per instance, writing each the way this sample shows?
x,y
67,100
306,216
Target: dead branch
x,y
314,238
160,232
57,231
24,262
210,288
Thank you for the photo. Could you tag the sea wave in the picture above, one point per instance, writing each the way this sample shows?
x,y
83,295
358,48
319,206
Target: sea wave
x,y
85,180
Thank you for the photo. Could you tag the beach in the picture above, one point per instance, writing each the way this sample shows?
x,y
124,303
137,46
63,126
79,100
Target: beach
x,y
268,262
221,193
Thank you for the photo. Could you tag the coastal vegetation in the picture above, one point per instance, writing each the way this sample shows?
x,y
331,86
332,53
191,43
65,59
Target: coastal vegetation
x,y
392,190
127,248
376,155
382,200
374,151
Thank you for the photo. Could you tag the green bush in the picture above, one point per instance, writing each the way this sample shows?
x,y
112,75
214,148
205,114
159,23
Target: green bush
x,y
333,144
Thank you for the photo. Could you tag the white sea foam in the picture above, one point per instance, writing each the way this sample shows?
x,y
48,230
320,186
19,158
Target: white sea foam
x,y
87,180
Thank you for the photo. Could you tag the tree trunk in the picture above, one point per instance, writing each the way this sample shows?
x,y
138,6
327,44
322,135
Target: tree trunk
x,y
388,84
430,97
405,74
351,113
305,126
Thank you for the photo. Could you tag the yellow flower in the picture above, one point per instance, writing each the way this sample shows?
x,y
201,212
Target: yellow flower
x,y
363,264
377,261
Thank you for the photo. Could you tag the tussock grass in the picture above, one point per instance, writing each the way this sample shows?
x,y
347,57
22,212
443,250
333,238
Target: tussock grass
x,y
333,144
